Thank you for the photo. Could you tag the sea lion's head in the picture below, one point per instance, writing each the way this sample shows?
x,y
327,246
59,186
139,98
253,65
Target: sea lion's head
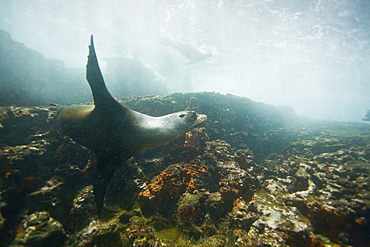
x,y
186,120
160,130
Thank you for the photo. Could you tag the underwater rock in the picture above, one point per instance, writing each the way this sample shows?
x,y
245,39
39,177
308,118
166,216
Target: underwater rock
x,y
190,215
47,194
332,203
141,236
279,217
58,194
214,206
242,180
161,195
22,125
27,158
40,81
84,203
267,221
242,216
83,209
2,220
39,229
99,234
189,207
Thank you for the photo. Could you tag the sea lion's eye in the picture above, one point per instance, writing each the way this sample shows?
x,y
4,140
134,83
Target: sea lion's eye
x,y
182,115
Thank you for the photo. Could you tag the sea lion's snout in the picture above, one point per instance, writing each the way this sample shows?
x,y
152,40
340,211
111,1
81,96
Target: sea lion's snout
x,y
199,119
192,119
202,118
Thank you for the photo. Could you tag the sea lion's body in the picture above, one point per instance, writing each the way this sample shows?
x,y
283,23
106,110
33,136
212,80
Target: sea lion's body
x,y
127,132
114,132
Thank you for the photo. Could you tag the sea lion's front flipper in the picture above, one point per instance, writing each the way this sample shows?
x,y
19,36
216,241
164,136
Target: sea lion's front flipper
x,y
102,177
102,98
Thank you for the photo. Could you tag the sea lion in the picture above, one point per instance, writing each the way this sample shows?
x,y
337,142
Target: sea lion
x,y
367,116
114,132
194,56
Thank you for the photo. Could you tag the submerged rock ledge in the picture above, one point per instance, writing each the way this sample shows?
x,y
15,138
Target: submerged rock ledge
x,y
254,175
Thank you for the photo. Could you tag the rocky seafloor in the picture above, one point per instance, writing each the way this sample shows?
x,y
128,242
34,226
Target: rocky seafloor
x,y
253,175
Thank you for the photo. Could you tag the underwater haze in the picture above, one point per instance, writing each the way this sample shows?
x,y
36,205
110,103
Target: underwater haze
x,y
312,54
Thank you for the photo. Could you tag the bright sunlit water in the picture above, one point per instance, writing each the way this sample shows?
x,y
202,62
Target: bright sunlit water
x,y
311,54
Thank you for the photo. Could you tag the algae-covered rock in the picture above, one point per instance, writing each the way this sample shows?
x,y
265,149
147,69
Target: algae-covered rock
x,y
39,229
99,234
142,235
252,176
2,221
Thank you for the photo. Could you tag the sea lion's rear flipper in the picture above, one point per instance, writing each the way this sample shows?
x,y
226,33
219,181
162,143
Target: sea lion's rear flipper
x,y
102,98
102,177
